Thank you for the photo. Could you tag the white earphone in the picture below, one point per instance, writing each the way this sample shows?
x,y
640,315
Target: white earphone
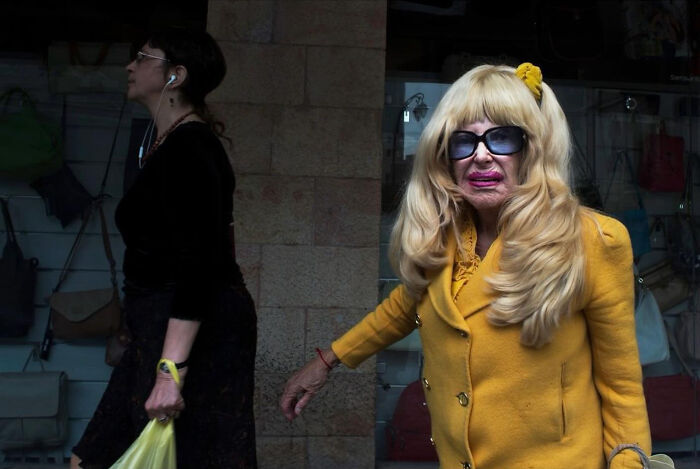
x,y
172,79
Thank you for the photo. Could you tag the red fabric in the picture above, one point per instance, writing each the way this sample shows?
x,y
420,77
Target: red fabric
x,y
670,406
661,167
408,434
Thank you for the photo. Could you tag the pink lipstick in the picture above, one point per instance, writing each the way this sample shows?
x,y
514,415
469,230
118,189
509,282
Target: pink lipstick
x,y
485,179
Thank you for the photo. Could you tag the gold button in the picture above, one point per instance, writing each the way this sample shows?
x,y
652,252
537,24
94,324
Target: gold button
x,y
463,399
432,442
426,383
418,320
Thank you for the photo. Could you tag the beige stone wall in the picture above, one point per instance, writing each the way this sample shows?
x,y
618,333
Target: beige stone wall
x,y
302,101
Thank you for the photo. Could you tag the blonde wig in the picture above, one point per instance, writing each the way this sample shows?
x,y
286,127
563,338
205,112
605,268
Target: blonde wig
x,y
542,263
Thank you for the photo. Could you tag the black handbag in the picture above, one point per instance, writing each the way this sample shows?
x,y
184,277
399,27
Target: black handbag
x,y
17,283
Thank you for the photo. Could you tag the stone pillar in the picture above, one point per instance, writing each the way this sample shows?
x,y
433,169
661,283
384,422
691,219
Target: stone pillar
x,y
302,102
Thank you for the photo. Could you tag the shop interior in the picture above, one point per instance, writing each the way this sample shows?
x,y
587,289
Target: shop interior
x,y
623,86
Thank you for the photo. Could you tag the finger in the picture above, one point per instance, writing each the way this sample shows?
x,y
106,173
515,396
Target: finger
x,y
287,403
288,410
302,403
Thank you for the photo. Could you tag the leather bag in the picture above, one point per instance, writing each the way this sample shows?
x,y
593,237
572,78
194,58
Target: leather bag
x,y
29,147
688,334
670,406
673,401
650,329
33,409
17,284
84,314
408,433
667,285
661,167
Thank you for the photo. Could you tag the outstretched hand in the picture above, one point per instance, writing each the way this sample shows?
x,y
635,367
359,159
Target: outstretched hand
x,y
302,386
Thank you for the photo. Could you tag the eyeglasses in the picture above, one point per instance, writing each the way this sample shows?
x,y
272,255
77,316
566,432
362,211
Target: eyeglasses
x,y
141,56
498,140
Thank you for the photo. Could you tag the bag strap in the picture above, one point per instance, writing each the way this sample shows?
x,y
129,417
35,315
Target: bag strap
x,y
32,355
9,227
646,464
74,248
107,246
622,155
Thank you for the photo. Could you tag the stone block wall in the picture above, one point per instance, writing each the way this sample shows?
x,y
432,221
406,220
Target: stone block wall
x,y
302,102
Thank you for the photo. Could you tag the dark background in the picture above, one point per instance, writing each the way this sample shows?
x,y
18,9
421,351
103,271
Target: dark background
x,y
572,39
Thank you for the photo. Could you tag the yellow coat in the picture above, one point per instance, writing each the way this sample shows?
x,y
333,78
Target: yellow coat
x,y
496,404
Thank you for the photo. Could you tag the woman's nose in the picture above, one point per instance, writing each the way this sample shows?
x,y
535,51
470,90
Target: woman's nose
x,y
481,153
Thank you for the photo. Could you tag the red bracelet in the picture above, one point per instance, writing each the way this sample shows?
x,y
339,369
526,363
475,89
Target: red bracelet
x,y
320,355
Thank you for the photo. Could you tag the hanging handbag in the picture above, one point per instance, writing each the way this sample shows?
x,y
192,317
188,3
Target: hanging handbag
x,y
649,327
408,433
661,167
635,220
688,334
33,408
29,147
84,314
17,284
655,461
673,401
92,313
668,286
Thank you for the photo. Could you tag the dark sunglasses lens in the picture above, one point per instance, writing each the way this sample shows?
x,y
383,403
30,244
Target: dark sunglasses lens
x,y
504,140
462,145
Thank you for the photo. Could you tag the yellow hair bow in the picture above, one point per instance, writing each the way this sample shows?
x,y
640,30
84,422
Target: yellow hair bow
x,y
532,76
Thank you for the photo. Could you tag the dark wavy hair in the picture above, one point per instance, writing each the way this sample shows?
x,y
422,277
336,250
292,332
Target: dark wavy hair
x,y
199,53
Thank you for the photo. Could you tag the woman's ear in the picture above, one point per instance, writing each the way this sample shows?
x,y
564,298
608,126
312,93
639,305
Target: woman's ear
x,y
177,76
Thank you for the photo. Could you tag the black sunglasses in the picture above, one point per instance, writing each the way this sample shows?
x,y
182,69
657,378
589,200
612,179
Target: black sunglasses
x,y
498,140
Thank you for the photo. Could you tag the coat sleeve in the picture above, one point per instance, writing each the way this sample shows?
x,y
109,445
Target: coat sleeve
x,y
610,318
391,321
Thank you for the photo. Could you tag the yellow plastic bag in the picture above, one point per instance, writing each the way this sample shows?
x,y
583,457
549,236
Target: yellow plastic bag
x,y
155,446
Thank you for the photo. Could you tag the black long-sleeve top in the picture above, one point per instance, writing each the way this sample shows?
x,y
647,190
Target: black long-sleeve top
x,y
175,221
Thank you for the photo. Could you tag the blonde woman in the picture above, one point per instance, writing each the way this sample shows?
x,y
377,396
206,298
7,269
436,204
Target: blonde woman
x,y
523,298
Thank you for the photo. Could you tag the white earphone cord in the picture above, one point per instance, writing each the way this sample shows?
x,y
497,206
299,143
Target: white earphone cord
x,y
151,124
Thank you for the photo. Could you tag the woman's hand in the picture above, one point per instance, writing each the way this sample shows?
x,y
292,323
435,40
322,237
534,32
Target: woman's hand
x,y
304,384
165,401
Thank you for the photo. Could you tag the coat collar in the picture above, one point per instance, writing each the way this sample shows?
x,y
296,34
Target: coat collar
x,y
475,295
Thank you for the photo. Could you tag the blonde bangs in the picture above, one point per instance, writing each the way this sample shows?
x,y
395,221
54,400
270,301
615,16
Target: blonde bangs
x,y
498,97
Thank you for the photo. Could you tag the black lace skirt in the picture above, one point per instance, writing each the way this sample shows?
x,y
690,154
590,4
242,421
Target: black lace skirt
x,y
217,427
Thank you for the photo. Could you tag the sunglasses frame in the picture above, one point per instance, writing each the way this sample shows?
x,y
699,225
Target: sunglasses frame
x,y
482,138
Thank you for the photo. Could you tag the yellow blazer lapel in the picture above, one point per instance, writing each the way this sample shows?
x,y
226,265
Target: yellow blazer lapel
x,y
475,295
439,289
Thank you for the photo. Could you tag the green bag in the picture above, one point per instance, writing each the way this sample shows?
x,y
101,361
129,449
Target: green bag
x,y
29,148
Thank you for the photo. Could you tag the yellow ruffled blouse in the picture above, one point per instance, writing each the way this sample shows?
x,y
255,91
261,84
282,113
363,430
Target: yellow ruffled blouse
x,y
466,260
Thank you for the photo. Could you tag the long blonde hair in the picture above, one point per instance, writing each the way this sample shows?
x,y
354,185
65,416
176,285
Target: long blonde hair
x,y
541,267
